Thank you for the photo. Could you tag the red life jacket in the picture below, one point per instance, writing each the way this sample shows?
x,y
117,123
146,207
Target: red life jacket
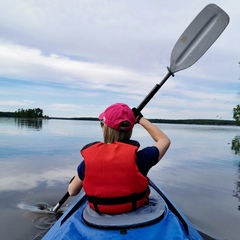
x,y
113,182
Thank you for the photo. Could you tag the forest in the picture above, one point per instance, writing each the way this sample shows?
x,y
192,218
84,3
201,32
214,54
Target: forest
x,y
25,113
38,113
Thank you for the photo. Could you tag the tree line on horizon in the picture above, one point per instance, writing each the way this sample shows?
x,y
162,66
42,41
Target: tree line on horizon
x,y
38,113
25,113
236,111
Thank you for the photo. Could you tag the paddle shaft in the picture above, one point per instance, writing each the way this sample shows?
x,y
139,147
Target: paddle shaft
x,y
153,92
140,107
61,202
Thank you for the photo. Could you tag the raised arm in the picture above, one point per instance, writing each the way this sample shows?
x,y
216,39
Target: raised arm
x,y
162,142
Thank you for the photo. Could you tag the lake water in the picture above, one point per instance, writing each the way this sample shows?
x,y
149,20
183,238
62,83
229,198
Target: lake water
x,y
200,173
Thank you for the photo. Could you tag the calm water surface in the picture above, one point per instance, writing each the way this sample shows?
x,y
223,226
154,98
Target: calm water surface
x,y
200,173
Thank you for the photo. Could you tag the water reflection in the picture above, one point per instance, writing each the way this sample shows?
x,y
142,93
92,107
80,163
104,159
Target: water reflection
x,y
236,145
32,123
197,172
236,149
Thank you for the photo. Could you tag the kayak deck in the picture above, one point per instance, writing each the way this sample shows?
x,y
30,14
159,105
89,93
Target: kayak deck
x,y
156,221
146,215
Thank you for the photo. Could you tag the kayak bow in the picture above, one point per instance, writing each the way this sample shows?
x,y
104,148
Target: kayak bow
x,y
160,219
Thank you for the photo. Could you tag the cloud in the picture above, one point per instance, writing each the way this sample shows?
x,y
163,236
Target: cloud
x,y
32,65
89,53
15,103
25,181
65,107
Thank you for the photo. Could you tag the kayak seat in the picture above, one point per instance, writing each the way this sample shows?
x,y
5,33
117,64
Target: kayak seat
x,y
145,215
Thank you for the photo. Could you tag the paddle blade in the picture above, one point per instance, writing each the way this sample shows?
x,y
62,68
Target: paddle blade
x,y
202,32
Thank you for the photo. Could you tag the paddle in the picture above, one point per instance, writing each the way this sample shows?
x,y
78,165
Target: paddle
x,y
61,202
198,37
192,44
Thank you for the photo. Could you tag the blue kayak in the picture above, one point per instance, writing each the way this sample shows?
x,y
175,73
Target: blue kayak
x,y
160,219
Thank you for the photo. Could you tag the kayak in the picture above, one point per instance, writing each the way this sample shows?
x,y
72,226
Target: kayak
x,y
159,219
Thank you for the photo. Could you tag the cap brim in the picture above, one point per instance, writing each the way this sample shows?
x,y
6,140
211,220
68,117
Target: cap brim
x,y
101,116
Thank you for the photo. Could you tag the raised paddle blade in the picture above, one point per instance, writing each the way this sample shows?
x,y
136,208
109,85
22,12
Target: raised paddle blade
x,y
202,32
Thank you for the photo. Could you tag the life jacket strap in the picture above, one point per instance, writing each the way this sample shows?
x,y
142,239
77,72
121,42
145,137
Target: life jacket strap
x,y
133,198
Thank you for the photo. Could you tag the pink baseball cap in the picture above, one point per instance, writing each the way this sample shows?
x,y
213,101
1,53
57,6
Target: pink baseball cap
x,y
115,114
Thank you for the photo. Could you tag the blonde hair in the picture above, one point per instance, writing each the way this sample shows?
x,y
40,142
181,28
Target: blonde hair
x,y
111,135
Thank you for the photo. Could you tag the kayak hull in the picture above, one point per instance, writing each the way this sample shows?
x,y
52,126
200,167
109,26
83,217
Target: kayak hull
x,y
171,225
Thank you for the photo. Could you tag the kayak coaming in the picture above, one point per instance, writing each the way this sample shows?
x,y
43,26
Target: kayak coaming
x,y
173,225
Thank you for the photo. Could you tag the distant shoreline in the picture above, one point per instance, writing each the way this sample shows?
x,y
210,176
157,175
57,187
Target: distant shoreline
x,y
218,122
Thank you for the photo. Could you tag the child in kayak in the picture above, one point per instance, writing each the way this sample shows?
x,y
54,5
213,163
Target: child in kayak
x,y
113,173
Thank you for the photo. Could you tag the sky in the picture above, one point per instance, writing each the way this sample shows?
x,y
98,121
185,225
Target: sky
x,y
75,58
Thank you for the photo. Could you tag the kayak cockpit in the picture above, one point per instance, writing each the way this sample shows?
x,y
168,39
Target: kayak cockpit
x,y
160,219
148,214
